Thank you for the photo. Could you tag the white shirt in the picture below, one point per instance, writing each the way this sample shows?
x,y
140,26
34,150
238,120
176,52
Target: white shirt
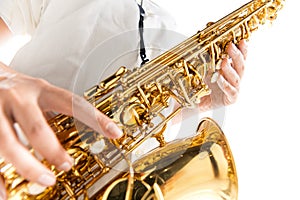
x,y
65,32
77,43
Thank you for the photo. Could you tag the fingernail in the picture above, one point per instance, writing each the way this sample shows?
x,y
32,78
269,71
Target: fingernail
x,y
114,130
66,166
35,188
47,179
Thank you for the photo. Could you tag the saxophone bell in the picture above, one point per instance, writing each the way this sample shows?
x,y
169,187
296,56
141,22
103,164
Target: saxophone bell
x,y
204,161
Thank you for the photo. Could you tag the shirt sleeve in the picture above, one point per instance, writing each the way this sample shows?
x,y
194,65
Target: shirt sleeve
x,y
22,17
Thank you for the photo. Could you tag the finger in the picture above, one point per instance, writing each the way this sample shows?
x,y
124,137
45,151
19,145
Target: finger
x,y
238,61
243,46
2,189
40,135
88,114
230,92
206,103
15,153
63,101
229,73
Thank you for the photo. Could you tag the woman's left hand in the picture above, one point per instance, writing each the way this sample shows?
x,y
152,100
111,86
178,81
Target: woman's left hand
x,y
226,89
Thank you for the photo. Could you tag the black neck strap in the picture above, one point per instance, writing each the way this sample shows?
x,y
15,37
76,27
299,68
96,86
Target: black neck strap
x,y
141,32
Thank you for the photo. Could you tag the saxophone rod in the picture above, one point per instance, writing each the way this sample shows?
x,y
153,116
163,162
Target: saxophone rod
x,y
166,59
155,130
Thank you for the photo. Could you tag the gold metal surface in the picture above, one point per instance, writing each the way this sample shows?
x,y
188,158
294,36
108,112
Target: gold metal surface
x,y
200,167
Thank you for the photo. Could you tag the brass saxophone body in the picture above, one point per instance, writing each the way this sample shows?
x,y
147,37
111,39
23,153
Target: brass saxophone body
x,y
199,167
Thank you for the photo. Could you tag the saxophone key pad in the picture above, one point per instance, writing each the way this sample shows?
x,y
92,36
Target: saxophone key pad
x,y
98,146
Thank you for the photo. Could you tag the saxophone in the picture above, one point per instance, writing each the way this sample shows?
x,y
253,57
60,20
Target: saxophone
x,y
135,99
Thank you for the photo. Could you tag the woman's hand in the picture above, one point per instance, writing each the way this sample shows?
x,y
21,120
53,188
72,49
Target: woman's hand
x,y
226,89
23,100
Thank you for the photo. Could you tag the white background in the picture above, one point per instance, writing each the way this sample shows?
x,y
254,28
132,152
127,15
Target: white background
x,y
262,126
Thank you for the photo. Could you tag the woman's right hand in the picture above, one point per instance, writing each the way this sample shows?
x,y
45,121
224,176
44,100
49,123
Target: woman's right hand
x,y
23,100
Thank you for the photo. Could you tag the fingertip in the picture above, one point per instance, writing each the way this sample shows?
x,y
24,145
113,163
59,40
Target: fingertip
x,y
46,179
113,131
66,163
232,49
244,42
243,46
66,166
108,127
